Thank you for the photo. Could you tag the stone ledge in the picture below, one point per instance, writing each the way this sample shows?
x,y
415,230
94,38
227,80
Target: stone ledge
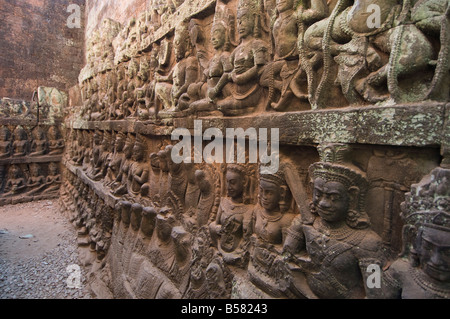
x,y
98,187
418,125
30,159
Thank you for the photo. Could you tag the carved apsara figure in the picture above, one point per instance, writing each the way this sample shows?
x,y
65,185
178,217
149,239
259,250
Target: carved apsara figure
x,y
279,74
248,59
216,85
270,218
229,232
170,87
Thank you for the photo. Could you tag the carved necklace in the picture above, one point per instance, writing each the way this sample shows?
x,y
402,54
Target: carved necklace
x,y
270,218
340,233
421,280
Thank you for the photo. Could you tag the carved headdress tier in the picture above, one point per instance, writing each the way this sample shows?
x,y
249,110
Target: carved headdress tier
x,y
428,203
276,178
333,166
252,6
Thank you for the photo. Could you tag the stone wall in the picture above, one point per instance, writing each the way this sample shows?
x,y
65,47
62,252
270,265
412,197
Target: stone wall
x,y
31,147
360,125
38,49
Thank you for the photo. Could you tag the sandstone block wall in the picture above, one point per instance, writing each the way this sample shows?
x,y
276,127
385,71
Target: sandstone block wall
x,y
362,116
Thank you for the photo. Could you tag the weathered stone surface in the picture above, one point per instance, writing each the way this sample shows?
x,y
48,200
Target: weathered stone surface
x,y
362,114
38,49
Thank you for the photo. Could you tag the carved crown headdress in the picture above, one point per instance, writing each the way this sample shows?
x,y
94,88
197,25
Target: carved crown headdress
x,y
334,167
426,205
224,17
253,7
428,202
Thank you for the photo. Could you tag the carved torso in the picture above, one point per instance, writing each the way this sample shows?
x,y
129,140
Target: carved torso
x,y
333,268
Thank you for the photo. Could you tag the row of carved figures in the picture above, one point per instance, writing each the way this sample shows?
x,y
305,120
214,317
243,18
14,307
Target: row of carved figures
x,y
323,55
30,179
38,141
89,213
289,249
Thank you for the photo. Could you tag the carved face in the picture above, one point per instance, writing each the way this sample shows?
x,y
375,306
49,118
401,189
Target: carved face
x,y
283,5
163,227
98,138
52,133
434,253
235,185
331,200
163,163
269,196
34,170
20,134
218,36
138,152
181,44
201,180
120,143
245,24
128,148
53,169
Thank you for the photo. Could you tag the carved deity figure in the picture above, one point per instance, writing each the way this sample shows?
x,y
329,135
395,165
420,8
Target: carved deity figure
x,y
116,111
270,218
16,181
138,171
279,74
55,140
248,59
229,232
129,100
169,88
36,182
339,244
53,179
21,143
95,160
101,166
170,248
116,159
119,186
423,269
215,84
39,143
6,145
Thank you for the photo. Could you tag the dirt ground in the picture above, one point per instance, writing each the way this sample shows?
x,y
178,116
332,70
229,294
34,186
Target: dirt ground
x,y
37,244
41,219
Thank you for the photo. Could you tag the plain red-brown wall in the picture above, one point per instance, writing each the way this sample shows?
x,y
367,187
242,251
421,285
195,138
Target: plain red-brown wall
x,y
37,48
